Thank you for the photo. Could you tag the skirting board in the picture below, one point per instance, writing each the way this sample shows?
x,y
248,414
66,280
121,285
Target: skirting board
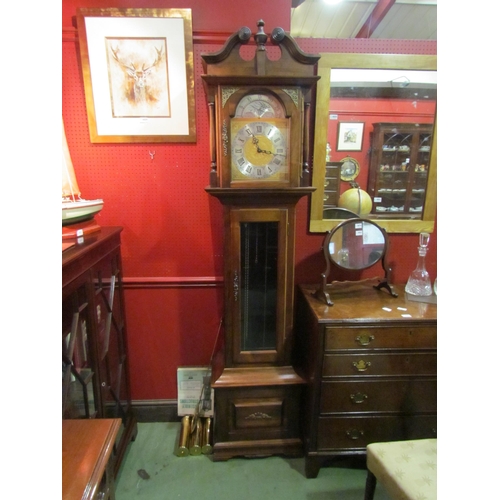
x,y
156,410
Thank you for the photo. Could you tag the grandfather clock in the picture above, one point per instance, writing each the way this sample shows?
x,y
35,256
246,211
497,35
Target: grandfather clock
x,y
259,112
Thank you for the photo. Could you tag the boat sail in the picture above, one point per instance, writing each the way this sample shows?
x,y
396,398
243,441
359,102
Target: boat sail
x,y
74,207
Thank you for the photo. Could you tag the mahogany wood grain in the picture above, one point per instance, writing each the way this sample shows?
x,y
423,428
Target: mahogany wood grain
x,y
87,447
370,362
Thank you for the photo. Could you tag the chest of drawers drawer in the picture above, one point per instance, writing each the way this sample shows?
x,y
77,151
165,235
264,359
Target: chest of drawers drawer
x,y
394,337
390,396
350,433
370,364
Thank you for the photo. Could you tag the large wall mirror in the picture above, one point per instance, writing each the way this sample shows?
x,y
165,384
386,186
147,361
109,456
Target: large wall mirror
x,y
378,131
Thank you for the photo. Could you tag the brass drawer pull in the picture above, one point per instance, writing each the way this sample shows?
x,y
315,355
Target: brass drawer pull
x,y
359,397
361,366
355,434
364,339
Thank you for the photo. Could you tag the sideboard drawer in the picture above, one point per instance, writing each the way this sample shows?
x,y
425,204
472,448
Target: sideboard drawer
x,y
342,365
337,433
403,396
386,337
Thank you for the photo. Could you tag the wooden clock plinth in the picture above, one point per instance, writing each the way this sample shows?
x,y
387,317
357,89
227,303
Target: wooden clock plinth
x,y
257,412
259,114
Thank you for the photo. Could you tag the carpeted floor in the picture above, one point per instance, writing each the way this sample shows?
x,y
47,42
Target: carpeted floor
x,y
152,471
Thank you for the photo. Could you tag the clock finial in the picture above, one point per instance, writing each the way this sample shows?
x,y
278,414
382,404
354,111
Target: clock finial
x,y
260,37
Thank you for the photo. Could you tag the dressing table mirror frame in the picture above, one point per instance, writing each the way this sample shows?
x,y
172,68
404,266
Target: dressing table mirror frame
x,y
367,61
322,292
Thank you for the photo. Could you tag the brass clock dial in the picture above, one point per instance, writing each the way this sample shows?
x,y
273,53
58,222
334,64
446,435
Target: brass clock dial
x,y
259,149
259,106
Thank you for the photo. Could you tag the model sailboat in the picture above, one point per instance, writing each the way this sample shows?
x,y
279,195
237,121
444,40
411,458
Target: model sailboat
x,y
74,208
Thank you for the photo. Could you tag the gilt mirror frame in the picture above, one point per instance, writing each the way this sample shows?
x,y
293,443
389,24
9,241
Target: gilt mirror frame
x,y
366,61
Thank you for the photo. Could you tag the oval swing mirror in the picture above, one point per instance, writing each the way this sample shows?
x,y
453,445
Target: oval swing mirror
x,y
354,244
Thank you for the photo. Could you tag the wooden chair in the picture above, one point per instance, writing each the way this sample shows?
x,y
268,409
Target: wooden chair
x,y
406,469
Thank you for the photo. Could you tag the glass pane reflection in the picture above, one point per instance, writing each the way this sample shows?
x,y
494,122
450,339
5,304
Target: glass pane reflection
x,y
259,278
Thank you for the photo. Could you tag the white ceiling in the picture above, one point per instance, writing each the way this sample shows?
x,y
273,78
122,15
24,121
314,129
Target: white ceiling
x,y
387,19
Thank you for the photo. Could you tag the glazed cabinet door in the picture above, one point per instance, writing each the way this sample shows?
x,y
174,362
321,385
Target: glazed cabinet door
x,y
258,276
111,339
79,383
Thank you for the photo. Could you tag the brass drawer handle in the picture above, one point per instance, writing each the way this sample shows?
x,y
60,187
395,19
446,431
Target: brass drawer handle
x,y
355,434
359,397
364,339
361,366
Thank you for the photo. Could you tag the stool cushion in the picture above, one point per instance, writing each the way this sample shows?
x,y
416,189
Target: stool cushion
x,y
407,469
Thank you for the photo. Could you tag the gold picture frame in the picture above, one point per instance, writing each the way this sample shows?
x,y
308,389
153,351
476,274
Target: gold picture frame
x,y
138,73
350,136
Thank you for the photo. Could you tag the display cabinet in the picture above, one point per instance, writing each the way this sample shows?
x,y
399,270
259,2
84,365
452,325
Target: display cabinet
x,y
399,164
95,376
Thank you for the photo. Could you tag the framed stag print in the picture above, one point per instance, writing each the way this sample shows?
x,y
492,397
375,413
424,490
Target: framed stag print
x,y
138,67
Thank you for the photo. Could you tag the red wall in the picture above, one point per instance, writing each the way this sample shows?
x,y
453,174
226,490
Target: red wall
x,y
172,229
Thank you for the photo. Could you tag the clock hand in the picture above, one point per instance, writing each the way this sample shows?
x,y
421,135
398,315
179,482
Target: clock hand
x,y
268,152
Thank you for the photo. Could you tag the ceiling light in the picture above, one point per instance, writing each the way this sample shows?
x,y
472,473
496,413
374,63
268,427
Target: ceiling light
x,y
332,2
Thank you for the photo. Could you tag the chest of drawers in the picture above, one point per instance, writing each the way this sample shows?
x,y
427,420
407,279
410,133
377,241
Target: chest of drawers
x,y
370,362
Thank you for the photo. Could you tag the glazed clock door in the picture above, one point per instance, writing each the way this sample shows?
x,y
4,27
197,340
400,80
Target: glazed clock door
x,y
258,296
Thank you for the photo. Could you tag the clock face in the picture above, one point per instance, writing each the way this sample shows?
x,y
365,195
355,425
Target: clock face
x,y
259,149
259,106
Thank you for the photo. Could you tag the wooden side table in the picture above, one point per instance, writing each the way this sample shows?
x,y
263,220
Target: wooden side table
x,y
87,459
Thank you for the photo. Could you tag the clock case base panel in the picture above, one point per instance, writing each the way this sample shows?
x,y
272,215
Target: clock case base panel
x,y
257,412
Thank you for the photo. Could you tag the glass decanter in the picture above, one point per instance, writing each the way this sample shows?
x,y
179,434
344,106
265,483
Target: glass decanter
x,y
419,282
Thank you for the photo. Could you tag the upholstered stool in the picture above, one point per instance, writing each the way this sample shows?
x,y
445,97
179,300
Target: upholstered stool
x,y
406,469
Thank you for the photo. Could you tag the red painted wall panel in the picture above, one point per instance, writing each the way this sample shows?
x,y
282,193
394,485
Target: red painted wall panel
x,y
172,237
169,328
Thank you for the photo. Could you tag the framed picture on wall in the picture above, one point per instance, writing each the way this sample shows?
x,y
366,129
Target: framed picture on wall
x,y
350,136
138,74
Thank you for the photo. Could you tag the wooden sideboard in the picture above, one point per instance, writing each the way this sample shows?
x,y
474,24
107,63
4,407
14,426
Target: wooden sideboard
x,y
87,459
370,362
94,338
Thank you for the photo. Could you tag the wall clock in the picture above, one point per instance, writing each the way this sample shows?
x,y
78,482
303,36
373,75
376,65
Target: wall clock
x,y
259,122
349,169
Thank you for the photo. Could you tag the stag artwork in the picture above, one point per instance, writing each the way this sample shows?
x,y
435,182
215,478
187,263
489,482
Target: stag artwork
x,y
138,77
